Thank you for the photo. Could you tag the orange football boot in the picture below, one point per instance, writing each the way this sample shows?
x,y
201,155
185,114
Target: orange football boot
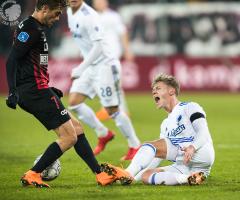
x,y
196,178
102,142
105,179
118,173
31,178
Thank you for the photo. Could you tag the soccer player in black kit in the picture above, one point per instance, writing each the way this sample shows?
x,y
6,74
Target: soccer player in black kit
x,y
27,75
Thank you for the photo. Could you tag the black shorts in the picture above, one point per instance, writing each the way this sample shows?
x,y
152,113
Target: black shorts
x,y
45,105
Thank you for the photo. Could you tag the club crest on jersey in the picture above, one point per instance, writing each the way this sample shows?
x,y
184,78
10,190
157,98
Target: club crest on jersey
x,y
23,37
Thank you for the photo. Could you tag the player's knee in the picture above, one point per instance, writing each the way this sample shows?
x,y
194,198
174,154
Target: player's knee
x,y
78,128
66,142
77,125
112,110
146,175
75,99
161,148
150,143
71,140
68,137
72,102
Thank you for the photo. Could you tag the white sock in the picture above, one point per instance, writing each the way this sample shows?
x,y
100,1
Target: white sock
x,y
86,114
123,103
142,159
125,125
167,178
154,164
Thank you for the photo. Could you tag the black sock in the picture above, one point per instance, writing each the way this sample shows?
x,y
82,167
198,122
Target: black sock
x,y
52,153
84,150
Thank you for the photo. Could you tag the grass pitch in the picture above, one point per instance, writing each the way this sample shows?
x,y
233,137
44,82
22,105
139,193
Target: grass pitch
x,y
22,139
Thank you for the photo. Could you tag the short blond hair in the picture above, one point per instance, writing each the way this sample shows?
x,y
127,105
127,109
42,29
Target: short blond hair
x,y
168,80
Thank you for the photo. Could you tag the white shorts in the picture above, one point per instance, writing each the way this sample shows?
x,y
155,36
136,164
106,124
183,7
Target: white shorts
x,y
102,80
201,161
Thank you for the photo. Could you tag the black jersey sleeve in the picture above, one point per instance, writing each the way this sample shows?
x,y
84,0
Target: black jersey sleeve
x,y
24,40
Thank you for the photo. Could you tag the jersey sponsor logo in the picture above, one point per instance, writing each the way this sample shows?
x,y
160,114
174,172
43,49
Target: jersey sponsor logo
x,y
176,131
43,59
23,37
64,112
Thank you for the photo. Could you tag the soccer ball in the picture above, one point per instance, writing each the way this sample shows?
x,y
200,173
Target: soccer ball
x,y
52,171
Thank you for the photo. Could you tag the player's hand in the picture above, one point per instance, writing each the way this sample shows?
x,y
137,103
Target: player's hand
x,y
12,100
188,153
58,92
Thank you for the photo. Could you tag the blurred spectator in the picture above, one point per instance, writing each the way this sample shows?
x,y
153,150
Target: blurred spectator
x,y
115,30
210,33
205,42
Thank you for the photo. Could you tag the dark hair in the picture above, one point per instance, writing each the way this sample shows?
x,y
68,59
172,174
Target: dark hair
x,y
52,4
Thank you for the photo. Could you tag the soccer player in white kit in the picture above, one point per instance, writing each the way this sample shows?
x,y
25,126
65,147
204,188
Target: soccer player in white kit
x,y
117,35
184,139
98,74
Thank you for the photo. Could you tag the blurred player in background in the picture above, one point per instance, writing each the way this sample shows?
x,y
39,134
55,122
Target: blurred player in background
x,y
184,139
27,75
117,35
98,74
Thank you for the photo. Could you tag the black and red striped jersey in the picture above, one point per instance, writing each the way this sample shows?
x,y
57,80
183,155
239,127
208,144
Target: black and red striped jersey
x,y
29,56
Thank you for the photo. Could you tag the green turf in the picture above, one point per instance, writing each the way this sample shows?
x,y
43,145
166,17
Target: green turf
x,y
22,139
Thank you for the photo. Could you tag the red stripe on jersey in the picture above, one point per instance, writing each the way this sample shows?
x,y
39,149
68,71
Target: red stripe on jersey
x,y
41,79
35,69
44,78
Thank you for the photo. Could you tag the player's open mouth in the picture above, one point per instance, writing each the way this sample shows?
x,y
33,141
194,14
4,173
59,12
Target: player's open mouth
x,y
156,99
72,1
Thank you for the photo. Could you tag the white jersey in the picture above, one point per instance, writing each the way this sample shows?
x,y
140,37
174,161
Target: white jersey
x,y
177,127
114,29
86,28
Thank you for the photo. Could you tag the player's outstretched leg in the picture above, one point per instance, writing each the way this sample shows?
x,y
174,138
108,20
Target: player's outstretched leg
x,y
118,173
196,178
66,139
84,150
34,179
